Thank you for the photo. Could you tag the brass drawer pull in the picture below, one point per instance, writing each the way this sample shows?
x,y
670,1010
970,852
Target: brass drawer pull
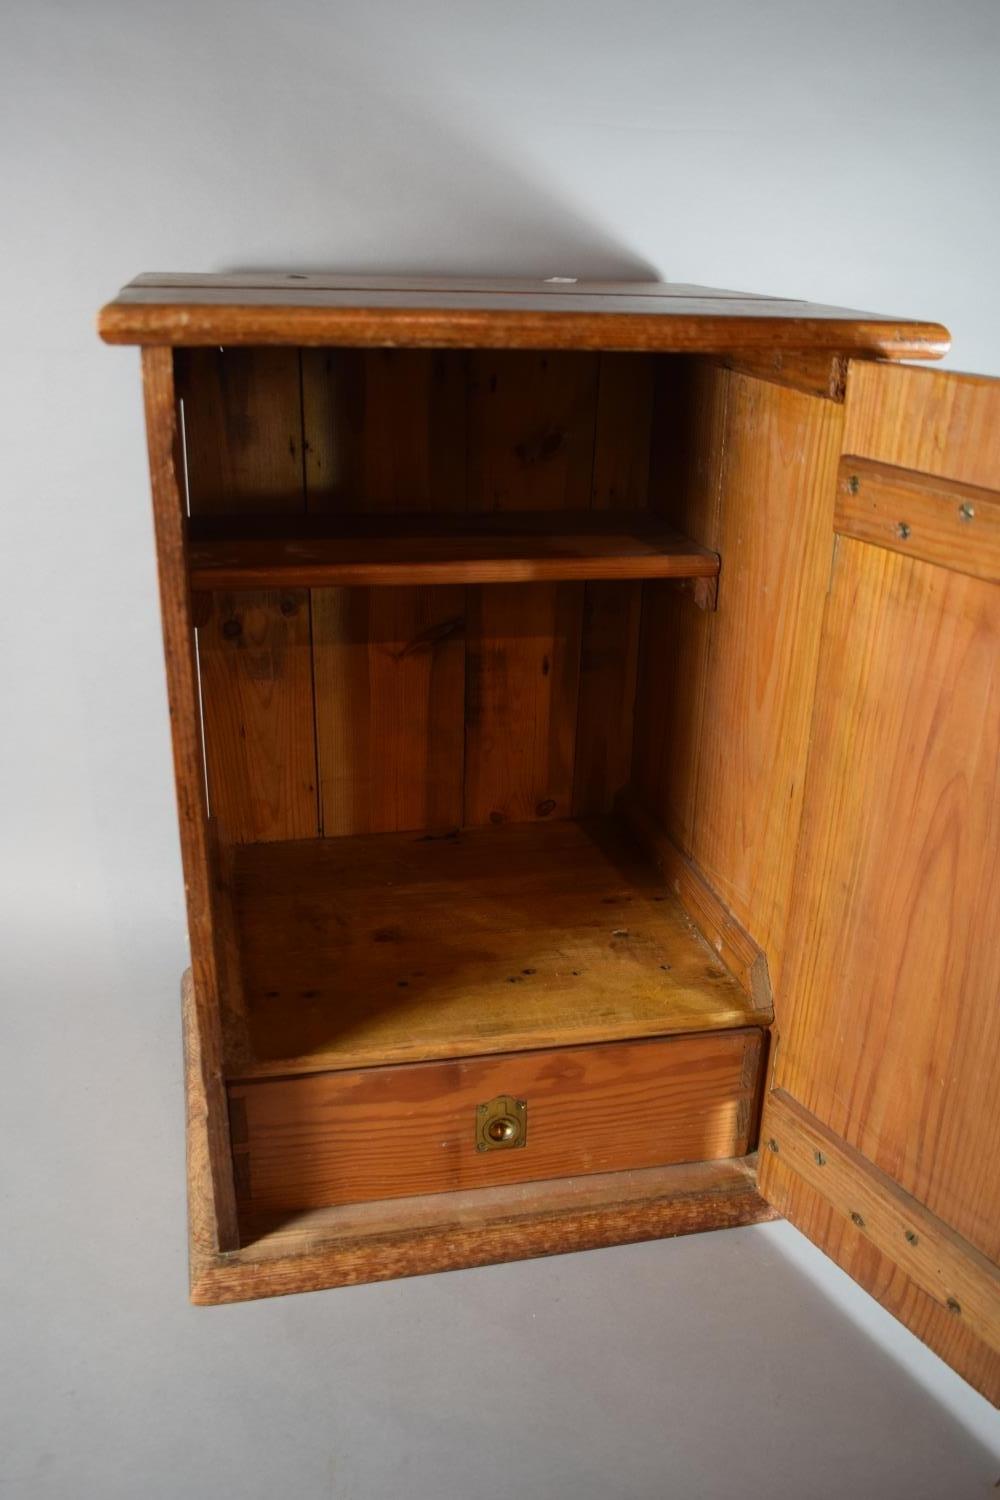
x,y
501,1124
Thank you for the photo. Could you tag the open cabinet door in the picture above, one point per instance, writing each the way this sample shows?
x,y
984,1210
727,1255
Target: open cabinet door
x,y
881,1131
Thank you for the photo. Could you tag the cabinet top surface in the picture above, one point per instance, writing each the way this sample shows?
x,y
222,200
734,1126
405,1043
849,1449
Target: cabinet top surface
x,y
494,312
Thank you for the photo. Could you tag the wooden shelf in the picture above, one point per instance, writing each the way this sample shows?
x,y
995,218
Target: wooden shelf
x,y
500,548
399,948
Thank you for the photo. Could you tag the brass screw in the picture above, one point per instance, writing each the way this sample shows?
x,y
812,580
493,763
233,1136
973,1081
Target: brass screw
x,y
954,1306
902,531
911,1237
966,512
858,1220
854,484
820,1159
772,1145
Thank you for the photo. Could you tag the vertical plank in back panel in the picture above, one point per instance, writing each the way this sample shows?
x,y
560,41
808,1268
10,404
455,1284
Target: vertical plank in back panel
x,y
623,425
384,429
608,660
243,438
256,684
531,430
523,656
242,430
390,684
385,432
612,611
687,446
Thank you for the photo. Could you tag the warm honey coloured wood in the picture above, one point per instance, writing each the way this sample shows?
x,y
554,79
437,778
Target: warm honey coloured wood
x,y
243,450
376,1133
553,547
398,948
918,515
440,312
888,1019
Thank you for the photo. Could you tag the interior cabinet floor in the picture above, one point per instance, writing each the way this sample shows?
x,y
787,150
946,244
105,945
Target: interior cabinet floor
x,y
401,947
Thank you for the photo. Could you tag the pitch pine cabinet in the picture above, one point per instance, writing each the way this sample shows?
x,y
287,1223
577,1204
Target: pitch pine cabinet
x,y
586,712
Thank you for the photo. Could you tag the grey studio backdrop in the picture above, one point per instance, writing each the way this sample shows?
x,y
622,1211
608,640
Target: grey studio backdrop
x,y
845,153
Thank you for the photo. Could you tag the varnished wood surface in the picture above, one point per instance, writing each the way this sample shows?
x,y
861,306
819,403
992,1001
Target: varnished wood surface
x,y
891,1033
879,1271
941,521
305,310
243,451
399,948
888,1016
439,1232
934,422
553,547
744,959
926,1249
216,1207
747,468
377,1133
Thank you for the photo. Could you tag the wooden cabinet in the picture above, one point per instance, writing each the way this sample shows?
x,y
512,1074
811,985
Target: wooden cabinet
x,y
586,713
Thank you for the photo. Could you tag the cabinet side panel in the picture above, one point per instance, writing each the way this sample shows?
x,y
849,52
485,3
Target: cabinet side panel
x,y
774,533
217,1228
243,442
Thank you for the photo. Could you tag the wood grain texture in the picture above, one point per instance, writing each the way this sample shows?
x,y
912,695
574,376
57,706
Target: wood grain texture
x,y
441,1232
609,643
242,430
442,312
725,698
623,431
531,431
744,959
244,450
926,1249
880,1274
820,374
945,425
398,948
523,667
689,439
214,1217
377,1133
775,517
954,525
450,1231
609,653
385,430
891,1033
441,551
257,694
390,693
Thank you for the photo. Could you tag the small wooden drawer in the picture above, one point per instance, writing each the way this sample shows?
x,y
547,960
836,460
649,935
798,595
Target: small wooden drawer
x,y
350,1137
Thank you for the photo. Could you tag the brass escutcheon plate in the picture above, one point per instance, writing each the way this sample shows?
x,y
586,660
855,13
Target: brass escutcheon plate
x,y
501,1124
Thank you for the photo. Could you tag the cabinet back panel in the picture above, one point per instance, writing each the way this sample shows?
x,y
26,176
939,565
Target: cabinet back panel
x,y
351,711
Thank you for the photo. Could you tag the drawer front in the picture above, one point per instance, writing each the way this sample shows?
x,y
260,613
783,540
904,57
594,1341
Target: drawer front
x,y
329,1138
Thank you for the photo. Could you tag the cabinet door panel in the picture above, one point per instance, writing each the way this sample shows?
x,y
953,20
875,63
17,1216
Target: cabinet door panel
x,y
889,1039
